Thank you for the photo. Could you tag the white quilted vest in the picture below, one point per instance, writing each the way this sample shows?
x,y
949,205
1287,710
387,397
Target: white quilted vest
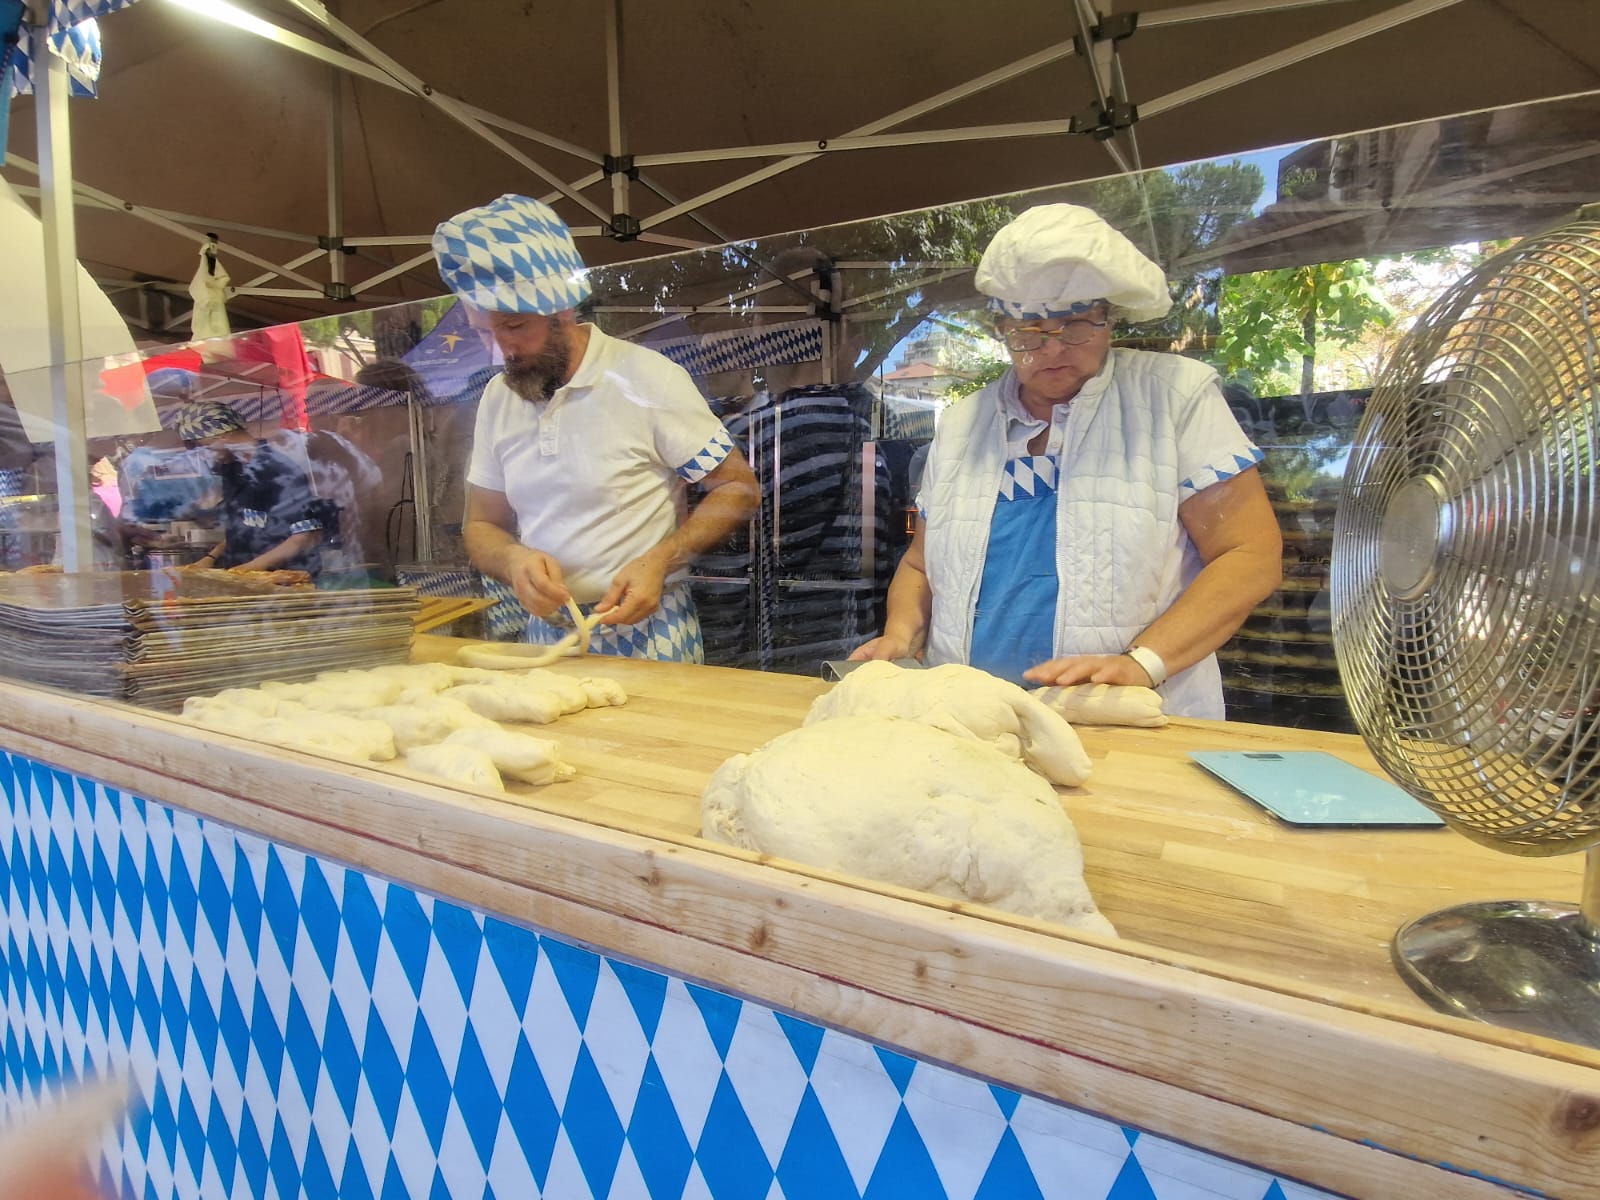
x,y
1122,555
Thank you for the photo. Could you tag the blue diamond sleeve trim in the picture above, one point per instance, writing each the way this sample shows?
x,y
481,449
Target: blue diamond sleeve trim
x,y
707,459
1216,473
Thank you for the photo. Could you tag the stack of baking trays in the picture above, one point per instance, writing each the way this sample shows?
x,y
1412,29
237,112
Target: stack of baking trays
x,y
154,637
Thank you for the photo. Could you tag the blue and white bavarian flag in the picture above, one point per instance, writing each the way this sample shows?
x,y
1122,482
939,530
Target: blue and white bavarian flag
x,y
71,33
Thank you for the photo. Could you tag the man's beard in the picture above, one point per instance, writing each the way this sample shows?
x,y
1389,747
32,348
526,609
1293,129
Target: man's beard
x,y
536,377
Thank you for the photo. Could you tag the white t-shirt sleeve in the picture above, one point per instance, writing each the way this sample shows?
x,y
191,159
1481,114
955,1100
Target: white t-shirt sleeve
x,y
483,468
1211,445
688,436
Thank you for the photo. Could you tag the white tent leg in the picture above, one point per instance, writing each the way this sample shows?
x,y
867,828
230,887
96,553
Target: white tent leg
x,y
61,293
335,179
616,138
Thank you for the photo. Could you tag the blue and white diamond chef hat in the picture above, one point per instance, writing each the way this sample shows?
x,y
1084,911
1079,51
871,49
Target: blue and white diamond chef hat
x,y
1056,260
512,255
199,421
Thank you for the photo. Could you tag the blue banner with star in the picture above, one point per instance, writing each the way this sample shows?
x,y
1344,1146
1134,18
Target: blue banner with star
x,y
451,356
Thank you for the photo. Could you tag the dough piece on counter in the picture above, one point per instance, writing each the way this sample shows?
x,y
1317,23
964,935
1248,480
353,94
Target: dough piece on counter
x,y
570,691
1105,704
250,699
967,702
335,735
327,697
479,674
458,764
242,701
428,721
502,702
603,693
352,690
517,755
908,804
375,739
576,693
209,712
282,690
434,676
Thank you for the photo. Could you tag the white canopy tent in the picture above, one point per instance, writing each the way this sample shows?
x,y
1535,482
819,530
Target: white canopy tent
x,y
896,107
324,141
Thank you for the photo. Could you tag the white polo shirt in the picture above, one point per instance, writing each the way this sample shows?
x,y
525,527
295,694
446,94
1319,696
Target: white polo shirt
x,y
596,473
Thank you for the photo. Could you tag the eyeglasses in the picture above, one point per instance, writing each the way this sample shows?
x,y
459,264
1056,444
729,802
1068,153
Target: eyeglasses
x,y
1024,338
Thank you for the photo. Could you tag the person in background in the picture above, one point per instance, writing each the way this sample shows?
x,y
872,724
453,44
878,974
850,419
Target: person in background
x,y
1095,515
271,520
583,446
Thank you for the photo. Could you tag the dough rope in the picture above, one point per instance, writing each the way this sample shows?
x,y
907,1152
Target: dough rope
x,y
515,656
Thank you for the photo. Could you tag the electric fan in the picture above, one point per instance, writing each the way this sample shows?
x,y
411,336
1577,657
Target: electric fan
x,y
1466,613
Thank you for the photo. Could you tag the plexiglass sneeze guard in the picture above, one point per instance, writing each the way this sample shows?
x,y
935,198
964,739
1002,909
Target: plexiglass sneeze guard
x,y
829,355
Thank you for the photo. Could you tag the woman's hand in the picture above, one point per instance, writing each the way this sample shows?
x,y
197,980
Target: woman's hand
x,y
1089,668
887,646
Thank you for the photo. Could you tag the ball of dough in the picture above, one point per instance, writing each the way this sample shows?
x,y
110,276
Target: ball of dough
x,y
911,805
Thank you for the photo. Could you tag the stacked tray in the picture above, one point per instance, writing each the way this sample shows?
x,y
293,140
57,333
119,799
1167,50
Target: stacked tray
x,y
155,637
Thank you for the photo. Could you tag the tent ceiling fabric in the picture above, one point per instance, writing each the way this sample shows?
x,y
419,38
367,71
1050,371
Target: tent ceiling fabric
x,y
203,119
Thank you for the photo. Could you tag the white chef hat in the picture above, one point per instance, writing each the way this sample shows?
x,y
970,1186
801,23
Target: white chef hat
x,y
1058,259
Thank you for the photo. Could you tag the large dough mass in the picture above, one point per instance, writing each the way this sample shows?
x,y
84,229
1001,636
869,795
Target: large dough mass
x,y
968,703
911,805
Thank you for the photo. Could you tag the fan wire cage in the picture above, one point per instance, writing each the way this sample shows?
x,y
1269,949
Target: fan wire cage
x,y
1466,581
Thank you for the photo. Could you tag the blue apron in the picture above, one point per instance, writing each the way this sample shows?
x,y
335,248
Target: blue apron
x,y
1014,625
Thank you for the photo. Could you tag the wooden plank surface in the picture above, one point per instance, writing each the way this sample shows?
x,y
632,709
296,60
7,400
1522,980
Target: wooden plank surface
x,y
1177,860
1109,1026
653,911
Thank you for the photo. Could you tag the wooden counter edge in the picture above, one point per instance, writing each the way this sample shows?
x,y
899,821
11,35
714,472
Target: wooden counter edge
x,y
1340,1078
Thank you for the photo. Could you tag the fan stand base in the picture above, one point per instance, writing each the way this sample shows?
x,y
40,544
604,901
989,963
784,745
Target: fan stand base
x,y
1523,964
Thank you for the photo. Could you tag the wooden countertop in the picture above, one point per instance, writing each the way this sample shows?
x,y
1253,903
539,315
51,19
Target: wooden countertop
x,y
1248,1007
1177,860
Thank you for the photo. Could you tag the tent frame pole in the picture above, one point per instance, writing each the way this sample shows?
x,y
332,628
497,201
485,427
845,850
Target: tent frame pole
x,y
618,166
1000,75
335,167
448,105
65,316
1299,52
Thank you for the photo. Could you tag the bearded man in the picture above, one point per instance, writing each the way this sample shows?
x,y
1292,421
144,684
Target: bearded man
x,y
583,448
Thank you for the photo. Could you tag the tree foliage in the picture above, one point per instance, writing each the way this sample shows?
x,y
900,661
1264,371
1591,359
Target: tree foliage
x,y
1190,210
1272,318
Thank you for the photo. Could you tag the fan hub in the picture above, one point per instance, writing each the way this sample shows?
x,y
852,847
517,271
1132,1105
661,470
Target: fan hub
x,y
1418,523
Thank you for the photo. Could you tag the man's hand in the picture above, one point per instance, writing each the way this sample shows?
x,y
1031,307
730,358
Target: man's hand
x,y
537,580
635,593
885,647
1089,668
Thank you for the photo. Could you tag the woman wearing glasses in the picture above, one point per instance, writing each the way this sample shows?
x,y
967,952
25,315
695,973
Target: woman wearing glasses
x,y
1095,515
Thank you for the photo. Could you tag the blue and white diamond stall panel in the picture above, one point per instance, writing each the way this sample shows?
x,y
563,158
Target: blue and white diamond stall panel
x,y
297,1028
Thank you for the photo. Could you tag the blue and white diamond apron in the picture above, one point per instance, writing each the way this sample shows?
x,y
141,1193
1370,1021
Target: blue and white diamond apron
x,y
670,634
1013,627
